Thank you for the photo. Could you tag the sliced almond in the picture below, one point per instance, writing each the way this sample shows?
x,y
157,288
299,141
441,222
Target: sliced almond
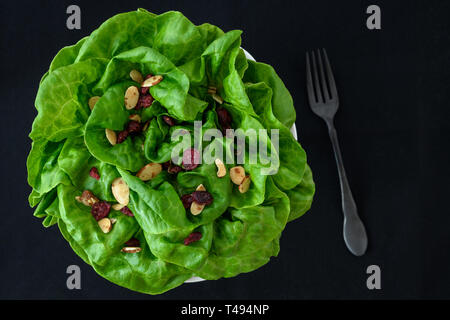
x,y
201,187
136,76
121,191
117,206
212,90
113,220
196,208
131,249
87,198
149,171
92,101
105,224
146,126
152,81
221,169
237,174
135,117
243,187
131,97
218,98
111,136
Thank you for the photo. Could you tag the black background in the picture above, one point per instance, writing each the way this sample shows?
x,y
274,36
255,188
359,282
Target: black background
x,y
393,126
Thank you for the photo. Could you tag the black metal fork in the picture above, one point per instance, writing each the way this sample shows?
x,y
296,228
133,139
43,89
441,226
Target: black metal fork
x,y
324,102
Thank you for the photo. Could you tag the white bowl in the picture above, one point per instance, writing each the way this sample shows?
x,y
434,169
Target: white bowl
x,y
294,133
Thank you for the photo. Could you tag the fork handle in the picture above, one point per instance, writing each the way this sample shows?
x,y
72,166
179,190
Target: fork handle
x,y
355,235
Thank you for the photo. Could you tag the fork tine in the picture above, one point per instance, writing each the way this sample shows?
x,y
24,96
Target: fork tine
x,y
331,83
309,81
316,79
325,91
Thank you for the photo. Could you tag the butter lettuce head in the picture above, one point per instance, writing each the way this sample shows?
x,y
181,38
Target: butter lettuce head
x,y
240,231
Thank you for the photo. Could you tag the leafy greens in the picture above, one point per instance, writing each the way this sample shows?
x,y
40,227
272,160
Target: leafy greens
x,y
240,232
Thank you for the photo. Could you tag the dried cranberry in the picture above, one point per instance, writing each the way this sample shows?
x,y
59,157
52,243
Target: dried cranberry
x,y
174,169
187,200
126,211
202,197
166,165
191,159
100,210
145,101
224,116
170,121
133,242
94,173
134,127
193,237
144,90
122,136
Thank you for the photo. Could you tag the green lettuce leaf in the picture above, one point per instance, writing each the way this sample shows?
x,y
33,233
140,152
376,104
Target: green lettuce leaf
x,y
240,232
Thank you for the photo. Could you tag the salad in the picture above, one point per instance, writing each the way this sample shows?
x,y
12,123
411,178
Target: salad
x,y
137,153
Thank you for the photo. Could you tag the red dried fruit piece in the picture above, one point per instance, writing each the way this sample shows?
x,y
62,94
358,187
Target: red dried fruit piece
x,y
193,237
170,121
202,197
94,173
144,90
133,242
134,127
187,200
174,169
122,136
223,116
191,159
166,164
126,211
145,101
100,210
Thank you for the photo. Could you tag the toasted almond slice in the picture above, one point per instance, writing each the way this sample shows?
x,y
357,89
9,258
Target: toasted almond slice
x,y
131,249
117,206
146,126
131,97
237,174
196,208
201,187
212,89
217,98
243,187
121,191
111,136
92,101
149,171
221,169
136,76
152,81
113,220
87,198
135,117
105,224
